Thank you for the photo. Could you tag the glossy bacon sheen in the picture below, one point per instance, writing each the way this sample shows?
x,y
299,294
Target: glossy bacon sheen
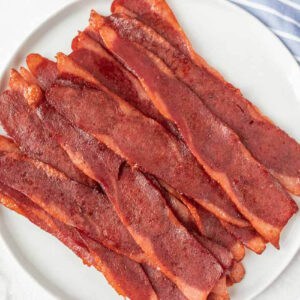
x,y
134,196
70,202
118,125
20,121
126,276
258,196
268,144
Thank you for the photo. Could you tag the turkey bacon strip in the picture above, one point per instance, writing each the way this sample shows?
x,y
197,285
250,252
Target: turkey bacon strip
x,y
20,121
70,202
90,55
270,145
55,123
258,196
104,166
110,170
126,276
7,146
134,196
118,125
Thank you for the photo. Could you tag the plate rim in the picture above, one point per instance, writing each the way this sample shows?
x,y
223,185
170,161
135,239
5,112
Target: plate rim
x,y
8,242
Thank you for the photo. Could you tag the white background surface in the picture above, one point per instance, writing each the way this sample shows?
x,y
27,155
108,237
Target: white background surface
x,y
17,20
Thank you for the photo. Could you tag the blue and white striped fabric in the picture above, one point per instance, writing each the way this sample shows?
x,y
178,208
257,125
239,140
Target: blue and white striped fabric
x,y
281,16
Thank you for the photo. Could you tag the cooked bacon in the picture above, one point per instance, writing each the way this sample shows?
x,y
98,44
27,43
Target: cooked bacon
x,y
258,196
91,56
236,274
104,166
44,70
126,276
158,15
164,239
21,122
118,125
268,144
205,222
249,237
222,254
134,196
220,291
164,288
108,172
222,231
70,202
31,92
162,285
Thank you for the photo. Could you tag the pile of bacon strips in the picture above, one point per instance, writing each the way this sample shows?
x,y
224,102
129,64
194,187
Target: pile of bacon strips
x,y
143,160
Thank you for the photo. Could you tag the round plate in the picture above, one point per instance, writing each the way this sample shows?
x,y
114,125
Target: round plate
x,y
248,55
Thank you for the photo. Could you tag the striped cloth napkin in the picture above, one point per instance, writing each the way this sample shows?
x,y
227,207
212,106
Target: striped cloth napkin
x,y
281,16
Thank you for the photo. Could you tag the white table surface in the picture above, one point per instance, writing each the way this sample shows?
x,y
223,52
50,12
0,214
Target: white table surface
x,y
17,19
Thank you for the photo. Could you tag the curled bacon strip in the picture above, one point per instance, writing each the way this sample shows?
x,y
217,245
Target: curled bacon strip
x,y
250,186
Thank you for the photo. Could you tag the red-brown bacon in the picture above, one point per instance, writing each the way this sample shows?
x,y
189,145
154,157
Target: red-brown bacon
x,y
223,254
228,240
214,228
164,288
134,196
104,166
23,125
70,202
120,127
258,196
126,276
111,260
267,143
102,161
207,224
91,56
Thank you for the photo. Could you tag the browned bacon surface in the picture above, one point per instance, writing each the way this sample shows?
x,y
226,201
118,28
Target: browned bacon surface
x,y
248,236
267,143
134,196
104,166
118,125
126,276
68,201
222,254
220,291
158,15
164,288
44,70
225,233
21,122
91,56
250,186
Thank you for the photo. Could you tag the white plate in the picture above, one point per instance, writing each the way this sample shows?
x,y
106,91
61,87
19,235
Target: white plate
x,y
248,55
